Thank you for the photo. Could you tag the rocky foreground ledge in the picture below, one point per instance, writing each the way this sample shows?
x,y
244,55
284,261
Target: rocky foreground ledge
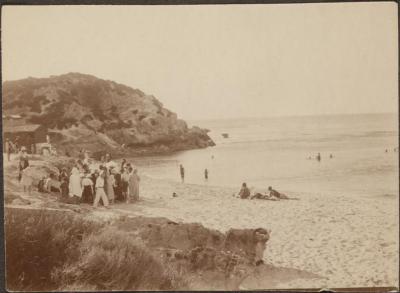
x,y
83,111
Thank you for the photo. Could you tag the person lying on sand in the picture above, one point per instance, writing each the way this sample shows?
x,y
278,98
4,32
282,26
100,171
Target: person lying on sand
x,y
276,194
262,196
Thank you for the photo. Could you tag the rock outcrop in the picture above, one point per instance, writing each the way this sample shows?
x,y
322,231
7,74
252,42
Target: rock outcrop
x,y
83,111
208,257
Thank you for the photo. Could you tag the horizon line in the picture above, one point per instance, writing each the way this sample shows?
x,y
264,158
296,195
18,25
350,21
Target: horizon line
x,y
287,116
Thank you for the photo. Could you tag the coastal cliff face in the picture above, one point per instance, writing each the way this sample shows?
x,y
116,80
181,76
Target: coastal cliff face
x,y
83,111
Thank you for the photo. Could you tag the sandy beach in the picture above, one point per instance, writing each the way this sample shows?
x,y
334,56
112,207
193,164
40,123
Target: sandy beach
x,y
348,242
316,241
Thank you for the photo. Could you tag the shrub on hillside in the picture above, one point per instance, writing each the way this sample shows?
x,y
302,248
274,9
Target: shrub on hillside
x,y
53,250
114,260
36,242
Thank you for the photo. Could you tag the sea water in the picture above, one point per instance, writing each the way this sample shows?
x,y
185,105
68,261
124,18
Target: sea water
x,y
280,152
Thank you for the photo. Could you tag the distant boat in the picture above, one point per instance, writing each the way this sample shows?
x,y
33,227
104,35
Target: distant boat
x,y
225,135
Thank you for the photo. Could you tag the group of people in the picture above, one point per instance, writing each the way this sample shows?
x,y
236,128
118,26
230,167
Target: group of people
x,y
394,150
318,157
87,182
272,194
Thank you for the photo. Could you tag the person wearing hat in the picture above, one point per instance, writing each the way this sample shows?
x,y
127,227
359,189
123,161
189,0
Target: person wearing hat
x,y
23,162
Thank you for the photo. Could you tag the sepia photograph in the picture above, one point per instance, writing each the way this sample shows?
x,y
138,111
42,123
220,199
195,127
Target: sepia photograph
x,y
201,147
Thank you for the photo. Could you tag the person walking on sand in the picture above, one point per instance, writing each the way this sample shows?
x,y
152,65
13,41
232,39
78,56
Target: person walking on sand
x,y
318,157
182,171
133,193
206,174
244,191
100,194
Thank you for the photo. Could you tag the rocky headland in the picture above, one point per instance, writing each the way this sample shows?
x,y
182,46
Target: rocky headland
x,y
83,111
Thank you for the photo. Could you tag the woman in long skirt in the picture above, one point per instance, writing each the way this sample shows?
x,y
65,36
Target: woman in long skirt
x,y
109,188
125,184
88,190
134,186
75,187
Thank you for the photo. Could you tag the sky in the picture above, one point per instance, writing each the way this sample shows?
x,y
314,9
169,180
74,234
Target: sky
x,y
219,61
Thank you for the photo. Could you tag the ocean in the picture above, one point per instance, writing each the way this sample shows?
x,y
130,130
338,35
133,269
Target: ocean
x,y
276,152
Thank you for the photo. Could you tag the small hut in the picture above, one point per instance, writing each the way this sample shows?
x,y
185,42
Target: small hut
x,y
32,136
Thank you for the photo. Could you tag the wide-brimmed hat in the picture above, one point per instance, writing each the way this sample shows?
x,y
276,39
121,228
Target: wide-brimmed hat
x,y
23,149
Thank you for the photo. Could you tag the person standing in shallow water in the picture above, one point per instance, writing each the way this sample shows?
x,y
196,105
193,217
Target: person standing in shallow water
x,y
206,174
182,171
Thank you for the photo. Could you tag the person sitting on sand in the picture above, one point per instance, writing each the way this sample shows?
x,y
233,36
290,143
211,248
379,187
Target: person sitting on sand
x,y
41,184
53,185
274,193
244,191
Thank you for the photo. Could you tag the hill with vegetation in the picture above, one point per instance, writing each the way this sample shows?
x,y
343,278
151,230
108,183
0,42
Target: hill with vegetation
x,y
83,111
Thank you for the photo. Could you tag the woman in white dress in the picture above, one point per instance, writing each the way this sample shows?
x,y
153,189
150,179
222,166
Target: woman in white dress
x,y
75,186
